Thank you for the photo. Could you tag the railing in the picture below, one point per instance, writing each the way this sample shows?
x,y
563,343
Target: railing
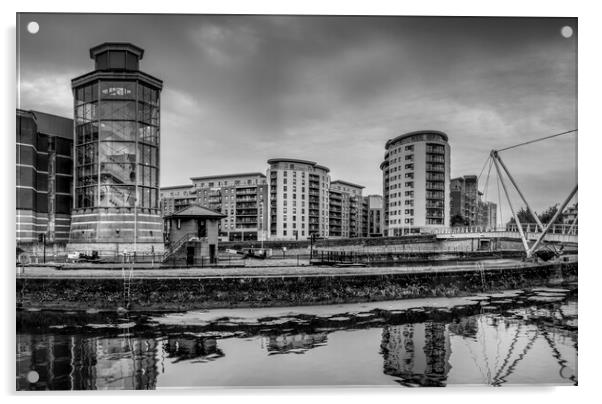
x,y
555,229
528,228
178,244
430,167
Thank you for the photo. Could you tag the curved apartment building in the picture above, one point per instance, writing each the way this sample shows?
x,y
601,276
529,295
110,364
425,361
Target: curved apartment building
x,y
416,182
299,199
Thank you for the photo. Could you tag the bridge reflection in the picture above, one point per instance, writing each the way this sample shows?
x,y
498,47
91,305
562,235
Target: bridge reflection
x,y
424,354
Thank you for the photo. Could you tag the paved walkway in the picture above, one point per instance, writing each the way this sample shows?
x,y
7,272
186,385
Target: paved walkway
x,y
50,272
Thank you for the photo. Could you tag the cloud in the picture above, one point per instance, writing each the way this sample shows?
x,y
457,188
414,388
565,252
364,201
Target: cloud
x,y
47,91
241,89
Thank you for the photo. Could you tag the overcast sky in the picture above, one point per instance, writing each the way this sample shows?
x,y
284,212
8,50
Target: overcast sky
x,y
239,90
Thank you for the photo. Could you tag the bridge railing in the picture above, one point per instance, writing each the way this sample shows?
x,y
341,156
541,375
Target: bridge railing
x,y
555,229
564,229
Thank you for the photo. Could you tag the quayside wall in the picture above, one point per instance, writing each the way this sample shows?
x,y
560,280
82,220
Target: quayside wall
x,y
187,293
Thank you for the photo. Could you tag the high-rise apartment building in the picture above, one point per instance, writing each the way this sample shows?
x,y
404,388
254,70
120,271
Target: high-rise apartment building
x,y
374,217
44,177
116,184
299,199
464,198
467,203
487,214
416,170
345,209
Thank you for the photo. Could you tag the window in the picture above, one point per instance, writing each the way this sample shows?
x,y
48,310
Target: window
x,y
409,148
409,157
409,166
410,184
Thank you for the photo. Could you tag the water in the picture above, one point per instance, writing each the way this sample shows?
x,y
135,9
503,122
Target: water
x,y
512,343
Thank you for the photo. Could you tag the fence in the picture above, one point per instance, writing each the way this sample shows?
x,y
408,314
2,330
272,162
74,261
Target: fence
x,y
527,227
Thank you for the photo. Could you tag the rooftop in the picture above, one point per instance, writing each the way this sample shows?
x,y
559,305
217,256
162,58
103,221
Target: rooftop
x,y
298,161
197,211
118,46
211,177
351,184
417,132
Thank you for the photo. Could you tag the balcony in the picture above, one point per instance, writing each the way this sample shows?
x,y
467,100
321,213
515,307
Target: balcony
x,y
245,191
243,205
246,220
246,212
434,159
435,150
435,177
438,168
435,185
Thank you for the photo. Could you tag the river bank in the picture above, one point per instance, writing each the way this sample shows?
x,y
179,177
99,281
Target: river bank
x,y
188,290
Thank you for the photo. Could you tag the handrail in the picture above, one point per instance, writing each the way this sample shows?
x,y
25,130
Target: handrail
x,y
178,244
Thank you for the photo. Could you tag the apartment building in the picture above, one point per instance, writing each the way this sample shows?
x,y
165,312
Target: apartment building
x,y
465,198
374,215
299,199
416,182
243,198
175,198
345,209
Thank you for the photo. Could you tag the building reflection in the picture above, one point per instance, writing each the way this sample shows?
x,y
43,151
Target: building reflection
x,y
467,327
187,348
417,353
295,343
61,362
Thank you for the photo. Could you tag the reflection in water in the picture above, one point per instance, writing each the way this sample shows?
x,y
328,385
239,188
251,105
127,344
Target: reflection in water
x,y
417,353
525,345
186,348
77,363
296,343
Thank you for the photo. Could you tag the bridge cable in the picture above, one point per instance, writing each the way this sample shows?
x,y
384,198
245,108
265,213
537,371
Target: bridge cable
x,y
537,140
487,181
499,199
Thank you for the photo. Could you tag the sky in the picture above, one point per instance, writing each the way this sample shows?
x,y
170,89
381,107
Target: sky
x,y
239,90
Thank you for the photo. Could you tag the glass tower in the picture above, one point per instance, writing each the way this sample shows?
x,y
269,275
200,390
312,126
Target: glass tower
x,y
116,178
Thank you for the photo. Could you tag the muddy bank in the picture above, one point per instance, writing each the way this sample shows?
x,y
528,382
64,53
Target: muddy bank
x,y
180,294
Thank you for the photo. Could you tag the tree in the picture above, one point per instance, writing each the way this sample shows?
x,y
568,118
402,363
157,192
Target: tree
x,y
525,217
458,220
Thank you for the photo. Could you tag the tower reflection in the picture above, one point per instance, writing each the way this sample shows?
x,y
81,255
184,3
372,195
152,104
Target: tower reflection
x,y
61,362
417,353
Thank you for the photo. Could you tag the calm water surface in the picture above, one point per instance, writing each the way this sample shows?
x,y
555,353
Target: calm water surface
x,y
528,345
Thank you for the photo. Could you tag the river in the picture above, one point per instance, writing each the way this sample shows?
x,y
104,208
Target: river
x,y
504,339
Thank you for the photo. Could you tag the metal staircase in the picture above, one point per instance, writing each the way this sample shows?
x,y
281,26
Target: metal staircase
x,y
176,246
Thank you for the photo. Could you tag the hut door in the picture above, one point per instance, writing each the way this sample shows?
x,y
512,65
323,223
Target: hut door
x,y
212,253
189,255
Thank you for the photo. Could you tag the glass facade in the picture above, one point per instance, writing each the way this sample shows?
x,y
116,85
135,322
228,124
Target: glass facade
x,y
117,140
